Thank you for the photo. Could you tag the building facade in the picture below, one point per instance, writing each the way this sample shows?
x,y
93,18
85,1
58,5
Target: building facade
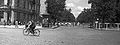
x,y
19,10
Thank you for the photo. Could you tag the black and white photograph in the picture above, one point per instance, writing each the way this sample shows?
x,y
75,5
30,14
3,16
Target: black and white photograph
x,y
59,22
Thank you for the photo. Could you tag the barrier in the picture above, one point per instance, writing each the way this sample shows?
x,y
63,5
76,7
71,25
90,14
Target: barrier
x,y
108,26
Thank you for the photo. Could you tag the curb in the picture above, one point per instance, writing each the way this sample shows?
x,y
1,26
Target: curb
x,y
11,28
19,27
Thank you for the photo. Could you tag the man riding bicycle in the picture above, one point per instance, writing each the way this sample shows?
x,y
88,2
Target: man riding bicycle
x,y
31,26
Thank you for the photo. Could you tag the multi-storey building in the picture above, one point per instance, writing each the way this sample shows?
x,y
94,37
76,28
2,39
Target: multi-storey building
x,y
19,10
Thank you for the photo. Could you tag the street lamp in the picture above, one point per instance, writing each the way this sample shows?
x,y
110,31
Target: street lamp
x,y
97,19
96,22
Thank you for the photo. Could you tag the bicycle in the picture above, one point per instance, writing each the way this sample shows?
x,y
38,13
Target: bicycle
x,y
36,32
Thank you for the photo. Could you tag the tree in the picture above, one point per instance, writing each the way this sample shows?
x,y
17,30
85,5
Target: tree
x,y
67,16
55,7
86,16
117,9
105,10
57,10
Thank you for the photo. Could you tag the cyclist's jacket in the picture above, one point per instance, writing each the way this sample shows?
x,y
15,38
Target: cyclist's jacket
x,y
32,25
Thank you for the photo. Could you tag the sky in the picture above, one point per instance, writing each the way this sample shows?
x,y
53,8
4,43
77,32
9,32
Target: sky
x,y
76,5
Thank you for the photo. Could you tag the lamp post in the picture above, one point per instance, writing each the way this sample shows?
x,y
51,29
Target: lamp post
x,y
96,22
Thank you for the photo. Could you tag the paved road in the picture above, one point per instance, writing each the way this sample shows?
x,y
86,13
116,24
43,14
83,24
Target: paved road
x,y
60,36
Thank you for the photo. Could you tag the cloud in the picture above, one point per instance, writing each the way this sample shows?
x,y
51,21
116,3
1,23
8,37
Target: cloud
x,y
80,8
89,5
70,5
77,6
76,13
77,10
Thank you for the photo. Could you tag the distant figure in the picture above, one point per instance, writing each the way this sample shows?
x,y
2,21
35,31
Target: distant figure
x,y
16,24
78,23
9,23
4,23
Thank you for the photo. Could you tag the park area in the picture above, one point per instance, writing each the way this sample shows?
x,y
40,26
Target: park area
x,y
77,35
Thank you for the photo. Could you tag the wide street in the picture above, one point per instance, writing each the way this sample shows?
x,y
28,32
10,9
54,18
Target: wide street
x,y
60,36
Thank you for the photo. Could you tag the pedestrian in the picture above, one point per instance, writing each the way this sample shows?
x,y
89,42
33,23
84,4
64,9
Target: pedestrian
x,y
4,23
16,24
9,23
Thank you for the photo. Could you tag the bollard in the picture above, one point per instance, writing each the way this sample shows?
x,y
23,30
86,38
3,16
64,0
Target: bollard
x,y
99,25
96,25
16,24
118,25
106,26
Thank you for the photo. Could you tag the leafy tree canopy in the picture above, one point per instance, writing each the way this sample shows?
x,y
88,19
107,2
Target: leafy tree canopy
x,y
57,9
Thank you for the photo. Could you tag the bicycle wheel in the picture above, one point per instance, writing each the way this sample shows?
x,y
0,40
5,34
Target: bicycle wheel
x,y
36,32
25,32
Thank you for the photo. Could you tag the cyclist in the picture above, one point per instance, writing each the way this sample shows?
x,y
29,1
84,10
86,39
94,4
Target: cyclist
x,y
31,26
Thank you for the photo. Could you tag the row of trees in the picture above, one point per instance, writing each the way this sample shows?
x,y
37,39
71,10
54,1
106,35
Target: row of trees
x,y
86,16
58,11
104,10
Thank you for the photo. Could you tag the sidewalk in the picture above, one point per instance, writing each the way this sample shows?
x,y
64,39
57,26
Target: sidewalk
x,y
19,26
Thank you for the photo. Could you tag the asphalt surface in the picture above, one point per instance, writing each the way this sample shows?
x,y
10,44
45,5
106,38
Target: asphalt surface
x,y
60,36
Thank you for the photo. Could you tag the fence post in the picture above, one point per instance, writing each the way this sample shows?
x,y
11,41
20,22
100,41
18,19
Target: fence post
x,y
99,25
118,25
96,25
106,26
